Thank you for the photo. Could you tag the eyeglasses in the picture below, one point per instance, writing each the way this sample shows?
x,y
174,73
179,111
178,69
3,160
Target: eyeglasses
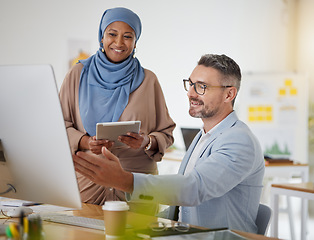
x,y
177,226
199,87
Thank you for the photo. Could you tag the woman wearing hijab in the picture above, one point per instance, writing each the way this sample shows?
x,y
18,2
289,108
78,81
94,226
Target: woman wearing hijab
x,y
112,86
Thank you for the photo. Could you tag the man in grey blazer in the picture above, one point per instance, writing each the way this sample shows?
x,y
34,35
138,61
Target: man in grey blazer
x,y
219,182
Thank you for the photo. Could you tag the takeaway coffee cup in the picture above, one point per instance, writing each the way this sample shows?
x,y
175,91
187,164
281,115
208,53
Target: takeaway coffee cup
x,y
115,213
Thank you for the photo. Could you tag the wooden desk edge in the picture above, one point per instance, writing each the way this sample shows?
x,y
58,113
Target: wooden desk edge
x,y
286,165
302,187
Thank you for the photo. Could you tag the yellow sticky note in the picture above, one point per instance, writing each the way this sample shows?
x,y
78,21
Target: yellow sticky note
x,y
293,91
288,82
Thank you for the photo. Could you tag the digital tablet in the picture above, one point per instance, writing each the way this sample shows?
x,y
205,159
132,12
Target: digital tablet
x,y
112,130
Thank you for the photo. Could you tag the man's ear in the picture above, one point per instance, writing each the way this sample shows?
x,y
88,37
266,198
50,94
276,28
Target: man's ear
x,y
231,94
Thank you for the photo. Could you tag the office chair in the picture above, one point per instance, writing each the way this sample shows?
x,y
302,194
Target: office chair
x,y
263,218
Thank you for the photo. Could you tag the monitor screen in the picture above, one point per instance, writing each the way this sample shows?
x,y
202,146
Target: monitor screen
x,y
35,156
188,135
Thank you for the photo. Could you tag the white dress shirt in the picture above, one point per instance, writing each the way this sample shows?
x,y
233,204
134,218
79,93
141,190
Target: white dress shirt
x,y
195,156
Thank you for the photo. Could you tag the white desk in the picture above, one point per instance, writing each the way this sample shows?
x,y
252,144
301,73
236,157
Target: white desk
x,y
287,171
303,190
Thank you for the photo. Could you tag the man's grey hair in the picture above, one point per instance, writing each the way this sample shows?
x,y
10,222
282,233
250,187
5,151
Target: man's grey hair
x,y
228,68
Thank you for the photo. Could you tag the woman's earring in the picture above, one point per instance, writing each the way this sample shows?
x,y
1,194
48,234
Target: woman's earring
x,y
134,52
103,50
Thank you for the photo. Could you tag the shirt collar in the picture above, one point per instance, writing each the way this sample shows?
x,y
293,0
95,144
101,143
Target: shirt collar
x,y
211,130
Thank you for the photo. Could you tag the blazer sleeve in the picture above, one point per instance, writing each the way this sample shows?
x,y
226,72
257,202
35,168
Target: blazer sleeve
x,y
226,163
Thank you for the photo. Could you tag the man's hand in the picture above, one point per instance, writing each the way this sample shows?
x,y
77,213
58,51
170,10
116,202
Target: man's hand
x,y
104,170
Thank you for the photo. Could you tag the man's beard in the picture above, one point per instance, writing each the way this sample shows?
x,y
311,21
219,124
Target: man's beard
x,y
204,113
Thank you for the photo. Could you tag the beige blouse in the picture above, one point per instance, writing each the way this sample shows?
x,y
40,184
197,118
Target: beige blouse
x,y
146,104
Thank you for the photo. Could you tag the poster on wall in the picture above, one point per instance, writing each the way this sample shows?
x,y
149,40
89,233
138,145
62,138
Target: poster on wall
x,y
275,106
78,49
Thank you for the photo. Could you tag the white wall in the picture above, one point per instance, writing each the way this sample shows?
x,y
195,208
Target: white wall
x,y
258,34
305,41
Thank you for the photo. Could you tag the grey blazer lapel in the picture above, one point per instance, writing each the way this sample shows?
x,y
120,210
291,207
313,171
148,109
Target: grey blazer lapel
x,y
189,152
227,123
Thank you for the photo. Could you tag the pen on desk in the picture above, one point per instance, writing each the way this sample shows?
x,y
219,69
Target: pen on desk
x,y
35,228
8,232
27,204
25,222
12,230
21,227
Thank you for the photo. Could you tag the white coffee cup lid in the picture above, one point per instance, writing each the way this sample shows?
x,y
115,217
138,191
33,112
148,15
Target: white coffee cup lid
x,y
115,206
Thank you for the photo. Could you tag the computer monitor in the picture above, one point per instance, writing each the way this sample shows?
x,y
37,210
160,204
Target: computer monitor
x,y
188,135
35,156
